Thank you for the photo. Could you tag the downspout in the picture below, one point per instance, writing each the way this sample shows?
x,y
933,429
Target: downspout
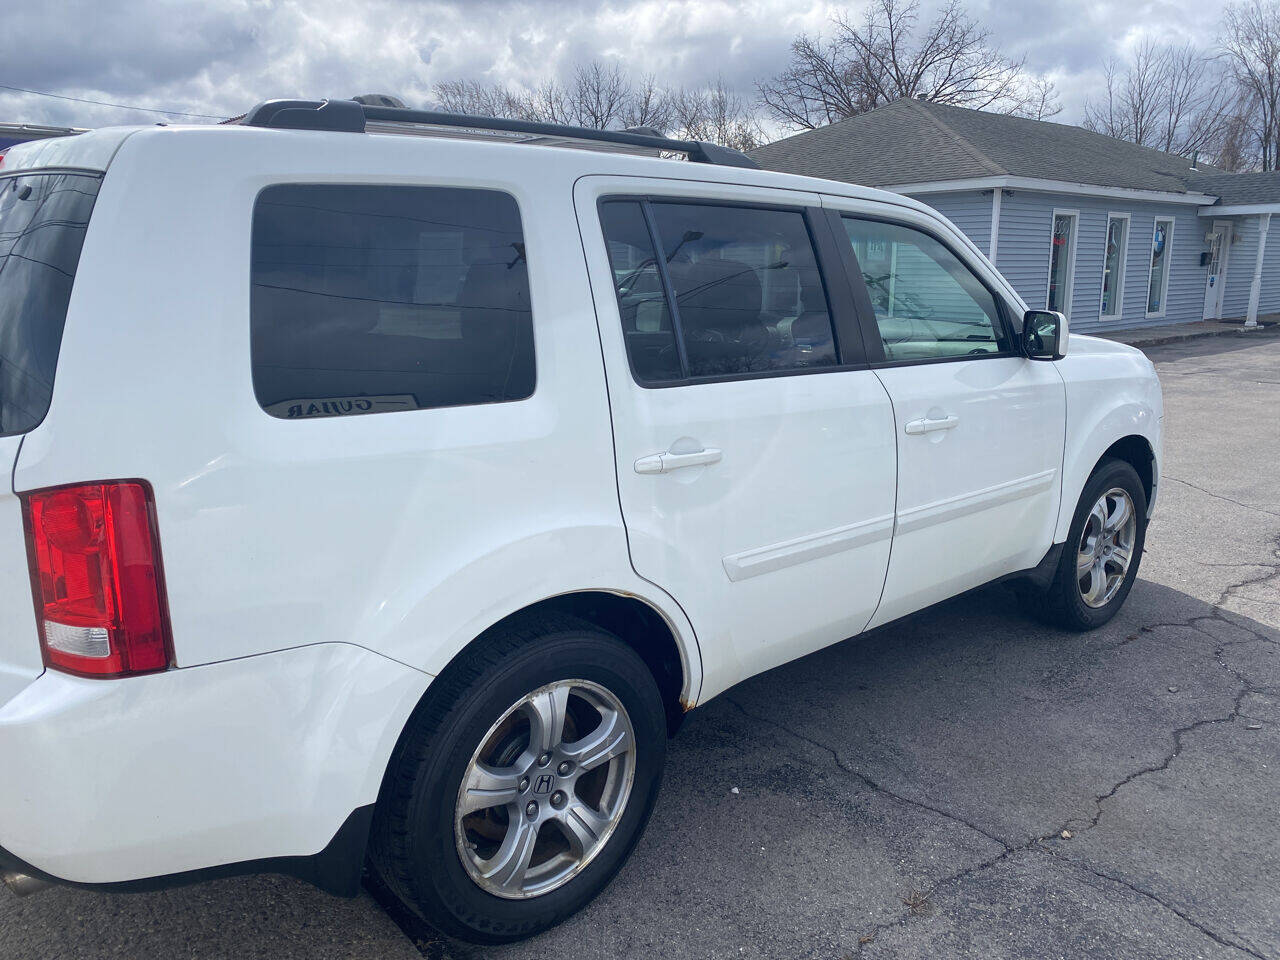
x,y
994,245
1255,288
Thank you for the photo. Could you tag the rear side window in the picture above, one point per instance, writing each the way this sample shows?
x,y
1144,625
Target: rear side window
x,y
373,299
42,225
646,321
748,296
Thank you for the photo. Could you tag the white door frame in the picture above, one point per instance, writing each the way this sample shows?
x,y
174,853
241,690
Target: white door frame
x,y
1070,252
1122,267
1214,293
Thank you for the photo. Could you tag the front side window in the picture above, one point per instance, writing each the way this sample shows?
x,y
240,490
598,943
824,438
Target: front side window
x,y
1113,266
744,281
927,303
1062,253
375,299
43,218
1158,282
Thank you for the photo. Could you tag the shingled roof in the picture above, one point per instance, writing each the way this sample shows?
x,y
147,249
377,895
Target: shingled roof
x,y
1238,189
916,141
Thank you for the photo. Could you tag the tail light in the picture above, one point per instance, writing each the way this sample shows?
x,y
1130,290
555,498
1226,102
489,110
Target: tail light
x,y
97,578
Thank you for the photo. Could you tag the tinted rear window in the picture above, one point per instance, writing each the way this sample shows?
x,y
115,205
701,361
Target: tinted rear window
x,y
42,224
373,299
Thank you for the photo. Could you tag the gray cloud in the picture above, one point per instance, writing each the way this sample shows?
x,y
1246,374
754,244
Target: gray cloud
x,y
221,56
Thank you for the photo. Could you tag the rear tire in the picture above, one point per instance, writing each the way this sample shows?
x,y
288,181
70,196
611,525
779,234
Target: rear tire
x,y
1084,597
578,809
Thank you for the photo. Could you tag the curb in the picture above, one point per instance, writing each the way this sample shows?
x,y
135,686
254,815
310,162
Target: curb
x,y
1158,341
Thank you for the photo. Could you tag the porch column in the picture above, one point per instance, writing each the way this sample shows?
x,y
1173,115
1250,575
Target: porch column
x,y
995,223
1255,289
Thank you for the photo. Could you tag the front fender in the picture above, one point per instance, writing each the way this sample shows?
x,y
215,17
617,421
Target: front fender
x,y
1111,394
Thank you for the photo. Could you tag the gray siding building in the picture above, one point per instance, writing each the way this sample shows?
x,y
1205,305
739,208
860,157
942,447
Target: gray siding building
x,y
1113,234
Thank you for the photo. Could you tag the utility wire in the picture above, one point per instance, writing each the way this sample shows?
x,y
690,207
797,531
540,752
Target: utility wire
x,y
103,103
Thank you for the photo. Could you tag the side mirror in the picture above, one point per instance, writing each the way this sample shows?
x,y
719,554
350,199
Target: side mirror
x,y
1044,335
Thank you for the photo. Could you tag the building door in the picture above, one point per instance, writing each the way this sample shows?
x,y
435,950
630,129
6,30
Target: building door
x,y
1216,281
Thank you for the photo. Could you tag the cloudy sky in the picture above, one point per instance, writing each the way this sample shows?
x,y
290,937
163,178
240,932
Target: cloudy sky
x,y
218,57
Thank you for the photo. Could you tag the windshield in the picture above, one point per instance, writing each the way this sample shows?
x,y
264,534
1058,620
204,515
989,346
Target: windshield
x,y
43,217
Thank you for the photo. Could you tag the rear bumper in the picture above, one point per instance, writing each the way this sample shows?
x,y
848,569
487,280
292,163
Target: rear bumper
x,y
336,869
268,763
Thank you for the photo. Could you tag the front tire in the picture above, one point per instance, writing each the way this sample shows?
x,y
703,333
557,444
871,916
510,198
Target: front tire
x,y
1100,559
522,782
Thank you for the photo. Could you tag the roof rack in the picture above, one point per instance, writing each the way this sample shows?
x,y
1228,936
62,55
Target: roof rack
x,y
349,116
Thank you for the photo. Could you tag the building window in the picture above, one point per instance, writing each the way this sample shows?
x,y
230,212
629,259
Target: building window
x,y
1158,281
1113,262
1062,260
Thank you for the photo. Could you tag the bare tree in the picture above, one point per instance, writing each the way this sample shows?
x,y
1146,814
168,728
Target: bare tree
x,y
1251,45
602,96
598,96
1040,99
820,85
1132,107
715,113
649,106
1235,150
479,99
1198,103
888,55
1171,98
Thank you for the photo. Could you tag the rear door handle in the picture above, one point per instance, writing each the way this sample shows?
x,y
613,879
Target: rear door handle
x,y
666,462
926,425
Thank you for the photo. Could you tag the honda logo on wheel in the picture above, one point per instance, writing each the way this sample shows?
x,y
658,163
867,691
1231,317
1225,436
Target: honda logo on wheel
x,y
543,784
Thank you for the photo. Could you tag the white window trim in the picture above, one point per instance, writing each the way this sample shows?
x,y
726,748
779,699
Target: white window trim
x,y
1071,259
1124,266
1168,268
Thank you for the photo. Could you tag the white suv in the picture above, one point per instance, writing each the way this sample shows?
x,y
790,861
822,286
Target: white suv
x,y
389,498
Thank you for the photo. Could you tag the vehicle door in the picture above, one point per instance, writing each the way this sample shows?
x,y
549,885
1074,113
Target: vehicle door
x,y
754,447
980,428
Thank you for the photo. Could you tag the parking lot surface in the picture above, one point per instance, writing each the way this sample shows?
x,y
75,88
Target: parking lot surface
x,y
962,783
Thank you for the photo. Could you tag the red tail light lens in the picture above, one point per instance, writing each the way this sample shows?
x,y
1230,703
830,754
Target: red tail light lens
x,y
96,575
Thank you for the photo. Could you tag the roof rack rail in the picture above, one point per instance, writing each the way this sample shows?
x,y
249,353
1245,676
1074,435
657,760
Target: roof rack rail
x,y
349,116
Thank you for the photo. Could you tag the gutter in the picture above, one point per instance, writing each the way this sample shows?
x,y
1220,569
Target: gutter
x,y
1051,186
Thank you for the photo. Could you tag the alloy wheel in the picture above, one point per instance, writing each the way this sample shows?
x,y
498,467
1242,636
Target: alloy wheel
x,y
545,789
1105,551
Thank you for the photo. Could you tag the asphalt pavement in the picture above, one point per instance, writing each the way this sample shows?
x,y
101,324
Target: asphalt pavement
x,y
963,783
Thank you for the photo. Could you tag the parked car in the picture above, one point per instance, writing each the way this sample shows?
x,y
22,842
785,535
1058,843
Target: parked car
x,y
389,491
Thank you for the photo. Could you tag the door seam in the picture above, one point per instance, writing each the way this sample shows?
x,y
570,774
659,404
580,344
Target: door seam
x,y
694,696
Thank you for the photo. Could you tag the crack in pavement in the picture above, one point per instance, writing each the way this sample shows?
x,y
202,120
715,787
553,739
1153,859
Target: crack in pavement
x,y
1154,898
959,877
1041,843
1099,801
1218,496
870,783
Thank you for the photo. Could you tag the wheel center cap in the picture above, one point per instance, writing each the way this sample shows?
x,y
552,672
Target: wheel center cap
x,y
544,784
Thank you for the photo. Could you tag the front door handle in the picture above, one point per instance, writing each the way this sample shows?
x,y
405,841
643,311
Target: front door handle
x,y
927,425
666,462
